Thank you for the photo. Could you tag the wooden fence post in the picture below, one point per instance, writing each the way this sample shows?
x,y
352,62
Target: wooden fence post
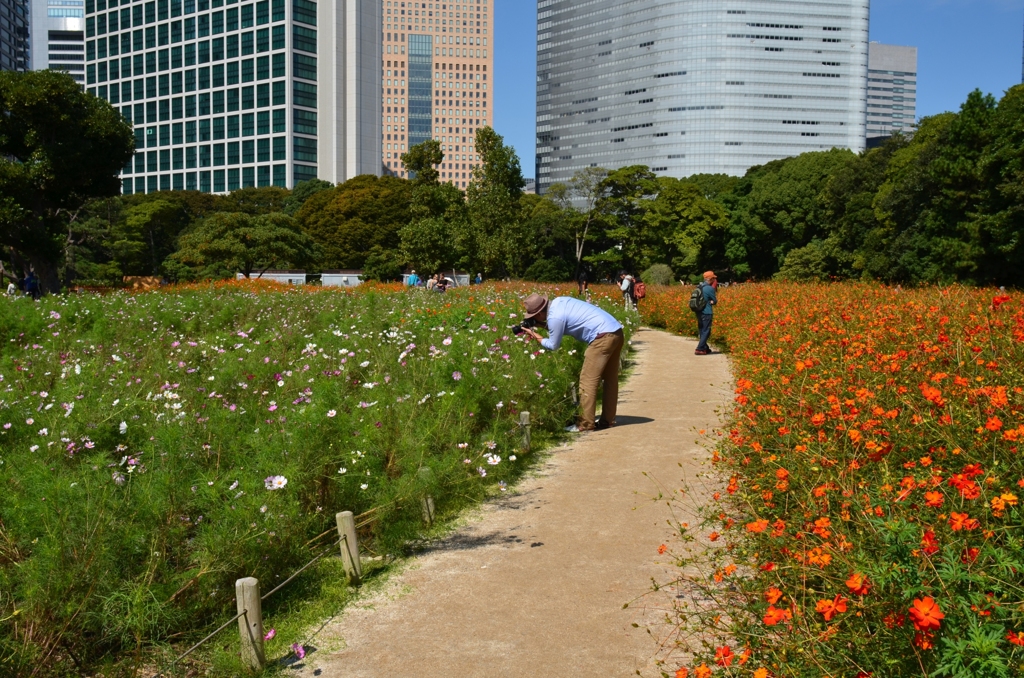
x,y
349,546
427,501
524,423
250,624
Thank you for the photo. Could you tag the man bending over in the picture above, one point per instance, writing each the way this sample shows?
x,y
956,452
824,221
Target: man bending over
x,y
604,336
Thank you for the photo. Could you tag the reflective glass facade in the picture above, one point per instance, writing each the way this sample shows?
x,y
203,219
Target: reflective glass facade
x,y
226,94
14,42
695,86
892,91
57,29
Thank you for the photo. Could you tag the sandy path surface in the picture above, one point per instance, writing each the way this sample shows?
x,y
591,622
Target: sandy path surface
x,y
534,584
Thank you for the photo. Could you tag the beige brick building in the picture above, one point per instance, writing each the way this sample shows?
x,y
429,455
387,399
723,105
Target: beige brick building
x,y
438,67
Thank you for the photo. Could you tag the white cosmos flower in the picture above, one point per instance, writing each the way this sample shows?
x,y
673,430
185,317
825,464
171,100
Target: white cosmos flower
x,y
365,363
363,486
342,471
332,413
123,428
280,382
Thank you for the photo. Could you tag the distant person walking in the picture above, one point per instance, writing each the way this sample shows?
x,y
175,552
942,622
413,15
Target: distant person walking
x,y
702,302
604,338
413,280
583,285
32,285
626,282
479,279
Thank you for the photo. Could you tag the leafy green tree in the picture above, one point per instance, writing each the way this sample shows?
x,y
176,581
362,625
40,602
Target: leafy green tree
x,y
383,265
1001,168
692,224
430,245
627,194
146,236
422,161
59,148
585,189
302,192
348,221
493,199
255,200
781,209
229,242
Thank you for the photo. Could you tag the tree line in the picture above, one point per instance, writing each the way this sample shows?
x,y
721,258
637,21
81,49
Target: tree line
x,y
945,205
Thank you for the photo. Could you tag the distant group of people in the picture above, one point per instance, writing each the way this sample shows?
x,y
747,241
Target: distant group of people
x,y
439,282
28,286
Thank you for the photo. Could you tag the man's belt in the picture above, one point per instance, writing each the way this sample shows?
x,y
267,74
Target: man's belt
x,y
605,334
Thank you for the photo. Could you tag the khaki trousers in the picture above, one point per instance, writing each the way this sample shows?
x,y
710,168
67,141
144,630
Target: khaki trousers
x,y
600,362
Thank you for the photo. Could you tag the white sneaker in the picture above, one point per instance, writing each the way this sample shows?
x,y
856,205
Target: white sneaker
x,y
572,429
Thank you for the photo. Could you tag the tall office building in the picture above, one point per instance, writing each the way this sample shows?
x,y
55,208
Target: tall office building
x,y
892,91
438,76
226,94
14,39
688,86
57,28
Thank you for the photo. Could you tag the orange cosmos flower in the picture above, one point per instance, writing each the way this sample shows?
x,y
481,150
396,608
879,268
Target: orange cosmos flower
x,y
702,671
775,616
761,673
926,614
924,641
962,521
724,656
994,424
929,544
1016,637
683,673
858,584
830,608
933,499
758,526
662,549
773,595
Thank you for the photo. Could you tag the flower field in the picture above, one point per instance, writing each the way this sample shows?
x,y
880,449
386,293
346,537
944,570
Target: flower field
x,y
869,520
156,447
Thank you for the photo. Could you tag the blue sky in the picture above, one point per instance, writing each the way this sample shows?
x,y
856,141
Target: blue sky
x,y
963,45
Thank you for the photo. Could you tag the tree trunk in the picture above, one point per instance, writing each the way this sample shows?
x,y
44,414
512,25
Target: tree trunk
x,y
49,280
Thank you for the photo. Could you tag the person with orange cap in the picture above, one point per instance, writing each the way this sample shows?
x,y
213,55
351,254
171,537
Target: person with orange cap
x,y
706,315
604,338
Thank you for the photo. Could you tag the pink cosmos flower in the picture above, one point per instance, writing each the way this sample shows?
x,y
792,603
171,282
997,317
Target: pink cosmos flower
x,y
457,376
270,634
299,651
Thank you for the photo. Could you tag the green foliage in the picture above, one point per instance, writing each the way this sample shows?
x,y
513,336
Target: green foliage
x,y
689,222
659,274
496,238
549,270
429,245
422,161
59,148
383,265
302,192
117,537
226,242
348,221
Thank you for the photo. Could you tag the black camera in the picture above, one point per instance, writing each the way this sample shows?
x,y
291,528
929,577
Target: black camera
x,y
529,323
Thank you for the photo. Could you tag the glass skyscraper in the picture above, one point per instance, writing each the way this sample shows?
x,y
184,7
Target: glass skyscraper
x,y
13,35
57,29
892,91
695,86
226,94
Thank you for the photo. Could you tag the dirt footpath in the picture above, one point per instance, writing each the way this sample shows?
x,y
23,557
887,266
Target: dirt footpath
x,y
534,584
